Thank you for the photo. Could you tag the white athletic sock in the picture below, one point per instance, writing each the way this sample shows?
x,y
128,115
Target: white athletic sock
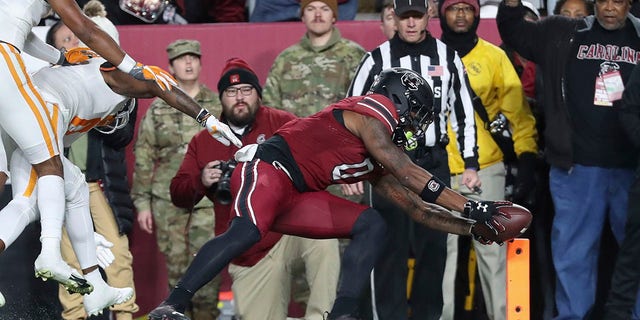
x,y
80,230
51,201
95,278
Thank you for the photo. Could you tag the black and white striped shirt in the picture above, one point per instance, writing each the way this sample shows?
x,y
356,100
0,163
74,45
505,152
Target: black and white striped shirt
x,y
443,69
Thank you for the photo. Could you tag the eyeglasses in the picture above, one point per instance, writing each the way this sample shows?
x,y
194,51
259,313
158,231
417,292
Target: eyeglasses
x,y
233,91
464,9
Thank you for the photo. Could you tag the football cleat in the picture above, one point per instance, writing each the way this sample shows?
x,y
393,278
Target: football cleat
x,y
104,297
60,271
166,312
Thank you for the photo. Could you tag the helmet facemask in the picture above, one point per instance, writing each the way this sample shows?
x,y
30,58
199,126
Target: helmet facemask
x,y
417,115
120,119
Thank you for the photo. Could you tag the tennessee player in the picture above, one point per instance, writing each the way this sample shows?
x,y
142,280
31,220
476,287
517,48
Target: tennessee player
x,y
78,99
24,116
279,186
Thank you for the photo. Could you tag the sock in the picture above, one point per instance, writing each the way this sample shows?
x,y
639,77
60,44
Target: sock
x,y
51,202
177,297
95,278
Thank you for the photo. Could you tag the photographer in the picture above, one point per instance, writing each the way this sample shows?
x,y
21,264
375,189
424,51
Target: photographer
x,y
260,286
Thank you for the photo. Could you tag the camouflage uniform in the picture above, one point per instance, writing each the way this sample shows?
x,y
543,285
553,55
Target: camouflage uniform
x,y
304,79
162,142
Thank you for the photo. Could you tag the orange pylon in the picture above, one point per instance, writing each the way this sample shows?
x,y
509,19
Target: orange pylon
x,y
518,302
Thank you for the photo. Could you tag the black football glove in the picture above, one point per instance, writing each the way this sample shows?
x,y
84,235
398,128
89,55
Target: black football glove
x,y
525,181
483,212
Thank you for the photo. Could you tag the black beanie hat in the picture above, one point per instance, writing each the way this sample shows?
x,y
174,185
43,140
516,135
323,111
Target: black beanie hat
x,y
237,71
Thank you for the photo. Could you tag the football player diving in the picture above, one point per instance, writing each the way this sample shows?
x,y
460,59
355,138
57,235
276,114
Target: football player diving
x,y
279,186
79,98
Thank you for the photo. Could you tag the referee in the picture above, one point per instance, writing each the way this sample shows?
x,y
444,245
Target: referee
x,y
413,47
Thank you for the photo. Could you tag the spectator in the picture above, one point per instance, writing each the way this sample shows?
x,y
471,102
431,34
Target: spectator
x,y
387,23
210,11
588,151
261,276
316,71
128,12
162,137
101,157
624,283
576,9
289,10
414,48
498,91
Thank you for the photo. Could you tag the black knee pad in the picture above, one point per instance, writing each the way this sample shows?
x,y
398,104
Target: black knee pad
x,y
371,223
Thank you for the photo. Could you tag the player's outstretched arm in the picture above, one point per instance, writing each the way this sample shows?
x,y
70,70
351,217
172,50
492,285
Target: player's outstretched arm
x,y
126,85
420,182
427,214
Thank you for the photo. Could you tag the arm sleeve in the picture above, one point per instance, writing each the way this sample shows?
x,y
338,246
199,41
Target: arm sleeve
x,y
41,50
186,187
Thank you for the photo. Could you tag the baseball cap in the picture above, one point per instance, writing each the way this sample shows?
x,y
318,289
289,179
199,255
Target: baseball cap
x,y
403,6
183,46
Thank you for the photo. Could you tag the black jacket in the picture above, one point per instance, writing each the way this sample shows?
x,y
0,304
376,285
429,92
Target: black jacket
x,y
630,115
548,43
106,162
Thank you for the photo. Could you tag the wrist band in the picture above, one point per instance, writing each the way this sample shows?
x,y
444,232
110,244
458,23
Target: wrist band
x,y
202,117
127,64
432,190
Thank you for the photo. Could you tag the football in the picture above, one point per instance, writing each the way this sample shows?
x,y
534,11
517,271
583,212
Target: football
x,y
515,218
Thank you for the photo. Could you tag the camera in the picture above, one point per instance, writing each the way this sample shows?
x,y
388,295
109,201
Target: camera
x,y
222,193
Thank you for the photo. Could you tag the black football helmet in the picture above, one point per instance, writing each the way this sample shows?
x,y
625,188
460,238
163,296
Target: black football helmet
x,y
413,98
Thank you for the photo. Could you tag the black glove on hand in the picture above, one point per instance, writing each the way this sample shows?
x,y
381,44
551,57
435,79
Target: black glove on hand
x,y
525,181
483,212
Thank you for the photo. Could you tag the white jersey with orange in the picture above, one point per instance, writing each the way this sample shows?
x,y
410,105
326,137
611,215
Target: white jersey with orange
x,y
83,98
17,18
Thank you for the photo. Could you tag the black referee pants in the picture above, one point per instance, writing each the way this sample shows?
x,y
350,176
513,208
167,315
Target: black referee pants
x,y
408,239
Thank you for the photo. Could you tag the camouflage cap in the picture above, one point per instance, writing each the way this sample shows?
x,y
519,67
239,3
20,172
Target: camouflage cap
x,y
183,46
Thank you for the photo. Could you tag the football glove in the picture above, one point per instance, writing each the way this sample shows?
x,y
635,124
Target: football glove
x,y
163,79
103,251
221,132
79,55
484,211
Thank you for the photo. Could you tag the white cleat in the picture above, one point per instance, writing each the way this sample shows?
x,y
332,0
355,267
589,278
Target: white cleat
x,y
48,268
2,301
105,296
